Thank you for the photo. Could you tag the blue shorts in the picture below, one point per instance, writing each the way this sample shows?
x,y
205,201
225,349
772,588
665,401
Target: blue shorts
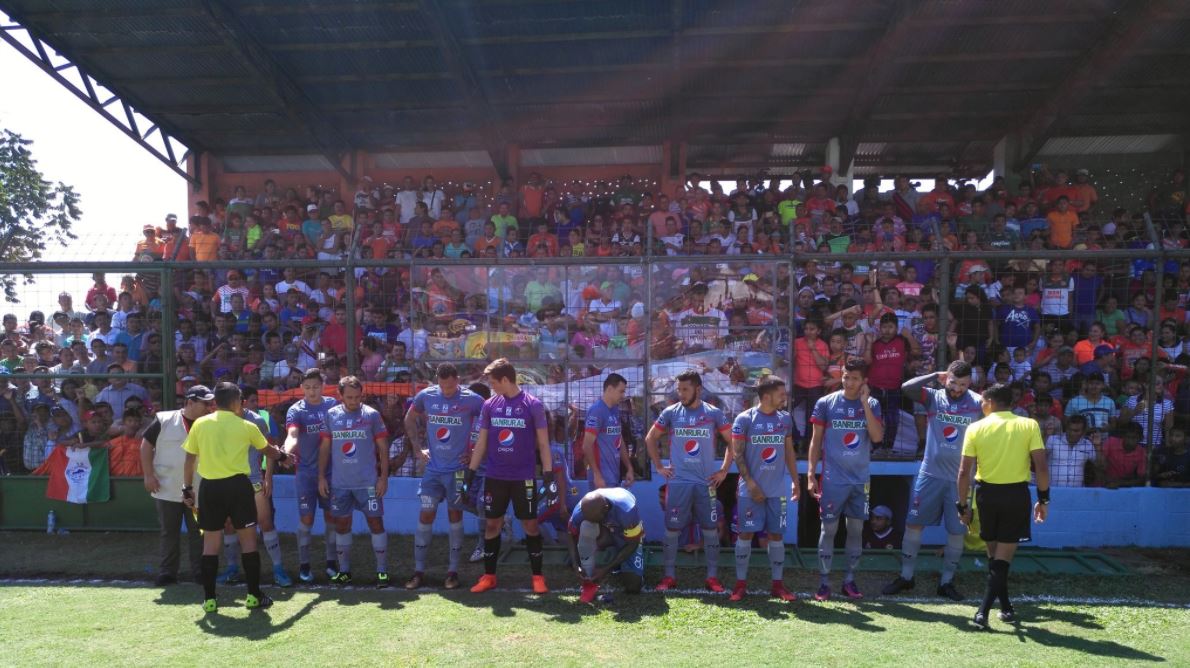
x,y
849,500
635,564
767,516
438,487
933,500
682,498
345,501
309,500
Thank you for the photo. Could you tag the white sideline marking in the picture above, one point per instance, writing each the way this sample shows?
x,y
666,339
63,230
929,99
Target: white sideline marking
x,y
760,593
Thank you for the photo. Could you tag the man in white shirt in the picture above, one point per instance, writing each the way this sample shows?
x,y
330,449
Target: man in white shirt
x,y
292,282
700,327
407,199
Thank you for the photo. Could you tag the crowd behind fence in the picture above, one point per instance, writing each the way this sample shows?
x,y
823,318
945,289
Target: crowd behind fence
x,y
1084,312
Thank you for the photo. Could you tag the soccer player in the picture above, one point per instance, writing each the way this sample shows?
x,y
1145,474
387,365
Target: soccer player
x,y
602,446
605,518
303,437
762,445
1002,446
260,474
217,450
693,474
935,491
449,412
354,438
515,423
846,423
553,518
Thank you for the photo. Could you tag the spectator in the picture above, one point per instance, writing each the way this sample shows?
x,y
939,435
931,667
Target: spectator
x,y
1124,460
1070,453
118,390
124,450
1171,466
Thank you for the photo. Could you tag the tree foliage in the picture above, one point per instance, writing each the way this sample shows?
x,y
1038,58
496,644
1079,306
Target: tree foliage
x,y
34,213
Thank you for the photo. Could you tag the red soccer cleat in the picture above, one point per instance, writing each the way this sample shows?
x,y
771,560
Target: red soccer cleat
x,y
741,588
714,585
666,584
486,583
852,591
589,589
779,591
539,585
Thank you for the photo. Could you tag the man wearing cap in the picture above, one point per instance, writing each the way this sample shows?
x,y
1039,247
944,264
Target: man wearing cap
x,y
150,245
1104,363
162,459
312,225
879,533
217,449
175,244
1000,449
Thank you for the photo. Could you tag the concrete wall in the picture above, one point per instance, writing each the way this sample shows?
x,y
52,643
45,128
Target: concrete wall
x,y
1146,517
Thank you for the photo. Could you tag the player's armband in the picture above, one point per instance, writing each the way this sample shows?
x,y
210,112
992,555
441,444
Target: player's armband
x,y
633,532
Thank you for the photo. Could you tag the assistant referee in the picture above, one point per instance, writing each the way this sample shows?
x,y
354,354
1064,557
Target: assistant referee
x,y
1000,447
217,446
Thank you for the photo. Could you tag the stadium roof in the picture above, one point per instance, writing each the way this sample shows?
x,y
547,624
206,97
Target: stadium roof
x,y
747,85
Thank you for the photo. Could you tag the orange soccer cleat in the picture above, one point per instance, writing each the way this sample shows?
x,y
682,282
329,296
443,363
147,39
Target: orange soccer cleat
x,y
539,585
487,582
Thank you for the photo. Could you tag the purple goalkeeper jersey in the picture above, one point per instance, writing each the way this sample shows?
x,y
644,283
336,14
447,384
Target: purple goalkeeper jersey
x,y
512,426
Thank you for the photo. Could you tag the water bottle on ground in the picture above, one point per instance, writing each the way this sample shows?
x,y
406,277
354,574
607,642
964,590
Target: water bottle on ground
x,y
51,523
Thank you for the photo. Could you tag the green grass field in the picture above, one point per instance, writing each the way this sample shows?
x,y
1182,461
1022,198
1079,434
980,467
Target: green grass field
x,y
112,615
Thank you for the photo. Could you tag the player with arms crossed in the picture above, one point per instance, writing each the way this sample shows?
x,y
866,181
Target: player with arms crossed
x,y
935,491
355,440
512,426
693,473
602,446
846,423
449,412
604,518
762,445
303,437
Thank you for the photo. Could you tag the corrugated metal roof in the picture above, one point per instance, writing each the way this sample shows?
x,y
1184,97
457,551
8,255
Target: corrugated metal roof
x,y
276,163
608,155
1110,145
768,80
433,159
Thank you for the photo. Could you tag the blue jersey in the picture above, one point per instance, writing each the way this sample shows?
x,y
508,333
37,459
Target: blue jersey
x,y
308,418
353,445
948,420
846,448
692,440
604,422
255,456
764,437
448,425
622,520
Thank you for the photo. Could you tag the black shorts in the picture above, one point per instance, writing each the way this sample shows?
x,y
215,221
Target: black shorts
x,y
226,498
497,494
1005,512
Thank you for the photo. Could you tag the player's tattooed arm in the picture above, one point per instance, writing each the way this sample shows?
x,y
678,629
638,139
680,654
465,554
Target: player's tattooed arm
x,y
913,387
738,445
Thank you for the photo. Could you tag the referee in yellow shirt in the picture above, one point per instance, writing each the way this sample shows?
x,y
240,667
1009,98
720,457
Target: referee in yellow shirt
x,y
1000,447
217,446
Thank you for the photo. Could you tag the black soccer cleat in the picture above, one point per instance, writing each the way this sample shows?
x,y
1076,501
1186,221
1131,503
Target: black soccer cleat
x,y
898,585
980,620
948,590
1008,615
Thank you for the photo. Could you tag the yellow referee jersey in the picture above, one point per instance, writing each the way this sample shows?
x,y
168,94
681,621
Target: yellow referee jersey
x,y
1001,444
220,441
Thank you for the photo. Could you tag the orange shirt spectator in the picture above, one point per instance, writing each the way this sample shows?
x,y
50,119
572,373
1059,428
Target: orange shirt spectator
x,y
204,244
1062,222
550,241
806,372
444,228
531,198
124,456
150,245
928,203
380,245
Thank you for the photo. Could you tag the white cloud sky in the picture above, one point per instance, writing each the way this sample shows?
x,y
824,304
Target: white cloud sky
x,y
122,186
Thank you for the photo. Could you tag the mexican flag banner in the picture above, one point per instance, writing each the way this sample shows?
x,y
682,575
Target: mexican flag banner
x,y
77,475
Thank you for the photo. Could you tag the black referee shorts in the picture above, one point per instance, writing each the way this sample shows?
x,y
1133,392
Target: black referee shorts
x,y
224,498
1005,512
522,494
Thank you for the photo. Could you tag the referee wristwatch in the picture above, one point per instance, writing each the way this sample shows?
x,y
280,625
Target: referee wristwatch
x,y
961,507
1043,497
